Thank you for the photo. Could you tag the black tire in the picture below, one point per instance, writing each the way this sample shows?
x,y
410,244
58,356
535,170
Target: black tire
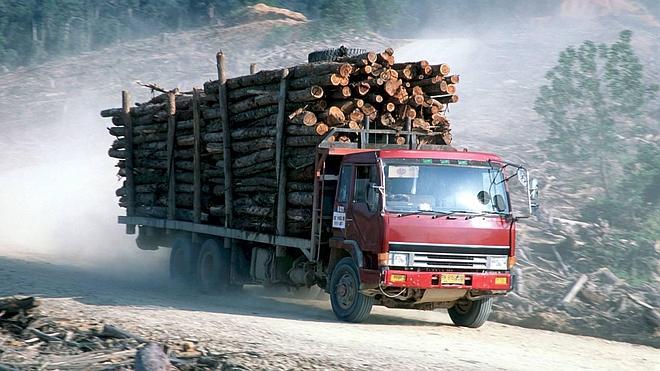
x,y
329,55
348,303
468,313
213,267
183,261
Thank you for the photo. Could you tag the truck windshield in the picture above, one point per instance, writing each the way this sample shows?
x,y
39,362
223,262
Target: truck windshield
x,y
445,188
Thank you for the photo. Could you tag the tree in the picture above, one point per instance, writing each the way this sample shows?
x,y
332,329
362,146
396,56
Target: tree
x,y
592,103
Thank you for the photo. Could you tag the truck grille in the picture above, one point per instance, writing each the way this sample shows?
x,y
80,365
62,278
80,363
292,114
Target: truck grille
x,y
449,257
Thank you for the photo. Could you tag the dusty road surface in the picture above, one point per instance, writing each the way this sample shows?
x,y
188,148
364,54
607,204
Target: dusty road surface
x,y
259,331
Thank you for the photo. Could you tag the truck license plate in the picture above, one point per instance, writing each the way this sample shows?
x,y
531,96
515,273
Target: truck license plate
x,y
452,279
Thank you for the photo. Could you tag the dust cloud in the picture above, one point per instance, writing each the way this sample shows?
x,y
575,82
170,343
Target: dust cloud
x,y
57,203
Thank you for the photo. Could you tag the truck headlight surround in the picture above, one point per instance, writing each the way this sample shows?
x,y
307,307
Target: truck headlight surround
x,y
497,263
398,259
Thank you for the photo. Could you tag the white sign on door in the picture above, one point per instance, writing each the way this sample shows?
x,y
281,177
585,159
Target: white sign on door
x,y
338,220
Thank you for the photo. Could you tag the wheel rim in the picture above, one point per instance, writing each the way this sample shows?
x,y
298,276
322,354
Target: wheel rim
x,y
463,306
345,290
205,269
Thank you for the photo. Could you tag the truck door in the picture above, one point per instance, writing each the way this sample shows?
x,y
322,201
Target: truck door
x,y
363,218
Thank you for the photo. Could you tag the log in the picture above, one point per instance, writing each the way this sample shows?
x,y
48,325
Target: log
x,y
253,115
298,186
252,103
356,115
254,158
300,198
111,112
452,79
360,60
299,215
259,78
406,71
388,120
370,111
360,88
445,99
338,92
254,169
306,118
253,145
322,80
392,86
441,69
252,132
300,130
385,58
305,95
303,141
242,93
333,116
303,70
214,137
269,181
433,80
374,98
215,148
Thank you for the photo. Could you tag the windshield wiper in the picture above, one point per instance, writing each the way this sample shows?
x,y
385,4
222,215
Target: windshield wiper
x,y
484,213
435,213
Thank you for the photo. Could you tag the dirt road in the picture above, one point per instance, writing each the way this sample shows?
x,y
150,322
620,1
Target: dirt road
x,y
283,332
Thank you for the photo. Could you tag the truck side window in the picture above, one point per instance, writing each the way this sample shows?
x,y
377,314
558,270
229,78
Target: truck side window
x,y
362,178
344,182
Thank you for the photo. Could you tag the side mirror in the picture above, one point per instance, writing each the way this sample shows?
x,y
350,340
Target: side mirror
x,y
523,176
534,196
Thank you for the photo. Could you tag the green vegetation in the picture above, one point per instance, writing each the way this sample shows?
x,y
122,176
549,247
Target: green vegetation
x,y
597,107
33,31
596,94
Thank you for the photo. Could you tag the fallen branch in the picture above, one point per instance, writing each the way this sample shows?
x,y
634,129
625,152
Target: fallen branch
x,y
575,289
115,332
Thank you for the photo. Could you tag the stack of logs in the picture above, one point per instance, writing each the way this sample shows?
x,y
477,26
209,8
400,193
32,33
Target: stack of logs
x,y
319,96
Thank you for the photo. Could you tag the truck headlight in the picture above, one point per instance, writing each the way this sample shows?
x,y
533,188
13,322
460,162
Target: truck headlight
x,y
497,263
398,259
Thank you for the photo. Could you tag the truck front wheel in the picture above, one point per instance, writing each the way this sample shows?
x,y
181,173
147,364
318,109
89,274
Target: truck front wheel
x,y
213,267
471,313
348,303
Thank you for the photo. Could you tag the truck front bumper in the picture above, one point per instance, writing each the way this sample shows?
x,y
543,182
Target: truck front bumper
x,y
456,280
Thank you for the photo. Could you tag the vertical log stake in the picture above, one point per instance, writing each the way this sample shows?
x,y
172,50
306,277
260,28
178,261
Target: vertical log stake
x,y
280,167
226,139
171,135
128,133
197,163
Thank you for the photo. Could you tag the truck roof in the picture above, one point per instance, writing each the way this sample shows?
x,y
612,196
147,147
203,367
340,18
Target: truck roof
x,y
434,154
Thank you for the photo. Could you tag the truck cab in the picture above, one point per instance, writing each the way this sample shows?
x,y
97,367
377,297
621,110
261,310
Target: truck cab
x,y
421,229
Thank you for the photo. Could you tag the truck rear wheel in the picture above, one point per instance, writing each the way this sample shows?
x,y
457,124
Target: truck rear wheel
x,y
471,313
348,303
183,260
213,267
